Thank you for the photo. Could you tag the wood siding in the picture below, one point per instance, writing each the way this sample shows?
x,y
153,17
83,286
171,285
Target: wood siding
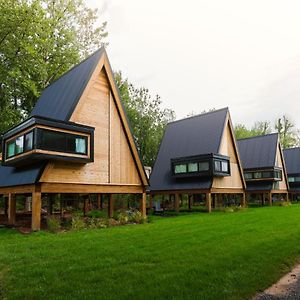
x,y
113,161
227,147
279,163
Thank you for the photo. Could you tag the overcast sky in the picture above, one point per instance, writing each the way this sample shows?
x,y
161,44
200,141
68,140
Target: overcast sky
x,y
207,54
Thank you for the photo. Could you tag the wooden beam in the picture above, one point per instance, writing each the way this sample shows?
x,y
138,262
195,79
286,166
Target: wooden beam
x,y
176,203
208,202
36,210
111,201
71,188
11,209
21,189
143,202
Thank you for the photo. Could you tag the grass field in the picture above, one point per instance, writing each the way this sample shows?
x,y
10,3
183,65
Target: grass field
x,y
192,256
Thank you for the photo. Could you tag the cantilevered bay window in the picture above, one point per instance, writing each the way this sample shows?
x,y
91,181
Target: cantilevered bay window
x,y
202,165
272,174
42,139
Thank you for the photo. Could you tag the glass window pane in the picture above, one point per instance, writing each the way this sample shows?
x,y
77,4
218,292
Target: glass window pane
x,y
203,166
297,179
29,141
248,175
217,165
182,168
11,149
257,175
19,144
52,140
278,174
80,145
225,166
291,179
267,174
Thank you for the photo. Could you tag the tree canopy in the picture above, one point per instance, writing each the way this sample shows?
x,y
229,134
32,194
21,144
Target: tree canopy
x,y
289,137
39,41
146,116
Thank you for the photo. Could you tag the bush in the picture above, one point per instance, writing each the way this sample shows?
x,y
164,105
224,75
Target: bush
x,y
96,223
78,223
123,218
53,224
284,203
231,209
112,223
137,217
96,214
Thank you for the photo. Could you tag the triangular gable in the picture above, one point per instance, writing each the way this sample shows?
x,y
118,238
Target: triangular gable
x,y
280,162
228,147
106,115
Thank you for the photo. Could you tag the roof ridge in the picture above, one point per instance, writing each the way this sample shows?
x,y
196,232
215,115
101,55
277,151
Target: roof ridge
x,y
199,115
75,66
257,136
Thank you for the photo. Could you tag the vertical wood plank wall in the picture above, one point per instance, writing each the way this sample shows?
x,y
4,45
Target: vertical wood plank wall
x,y
279,163
114,162
227,148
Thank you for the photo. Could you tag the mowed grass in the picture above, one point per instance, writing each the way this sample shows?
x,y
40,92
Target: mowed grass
x,y
192,256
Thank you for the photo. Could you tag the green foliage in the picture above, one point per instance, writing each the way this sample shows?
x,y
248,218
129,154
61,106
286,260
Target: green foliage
x,y
96,214
146,117
234,208
78,223
284,127
112,222
53,224
259,128
123,218
39,41
137,217
96,223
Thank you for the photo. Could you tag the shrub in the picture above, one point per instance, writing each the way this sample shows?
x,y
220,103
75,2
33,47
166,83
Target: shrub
x,y
96,214
123,218
284,203
53,223
78,223
137,217
96,223
112,222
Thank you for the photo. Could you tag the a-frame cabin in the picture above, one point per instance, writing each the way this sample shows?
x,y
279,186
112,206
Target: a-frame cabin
x,y
292,162
77,140
198,155
264,167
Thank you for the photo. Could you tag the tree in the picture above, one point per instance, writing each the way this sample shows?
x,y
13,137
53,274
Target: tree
x,y
284,127
39,41
146,117
259,128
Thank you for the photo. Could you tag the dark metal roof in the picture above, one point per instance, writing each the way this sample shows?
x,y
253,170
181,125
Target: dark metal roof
x,y
259,151
60,98
292,160
196,135
10,176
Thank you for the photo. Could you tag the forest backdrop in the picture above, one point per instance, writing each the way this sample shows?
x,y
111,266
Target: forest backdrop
x,y
42,39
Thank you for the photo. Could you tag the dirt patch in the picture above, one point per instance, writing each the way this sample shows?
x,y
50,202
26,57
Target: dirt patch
x,y
288,287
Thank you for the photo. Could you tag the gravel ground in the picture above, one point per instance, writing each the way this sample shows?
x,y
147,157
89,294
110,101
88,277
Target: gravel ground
x,y
287,288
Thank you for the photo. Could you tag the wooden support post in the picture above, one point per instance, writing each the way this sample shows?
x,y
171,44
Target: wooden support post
x,y
99,196
143,204
151,201
243,202
190,201
111,206
36,209
262,199
287,197
208,202
270,199
85,205
5,205
11,209
176,203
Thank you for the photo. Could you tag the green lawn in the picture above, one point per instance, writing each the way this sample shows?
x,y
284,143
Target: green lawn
x,y
192,256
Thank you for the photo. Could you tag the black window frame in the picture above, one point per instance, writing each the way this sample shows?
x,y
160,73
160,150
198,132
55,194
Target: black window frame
x,y
66,135
24,148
